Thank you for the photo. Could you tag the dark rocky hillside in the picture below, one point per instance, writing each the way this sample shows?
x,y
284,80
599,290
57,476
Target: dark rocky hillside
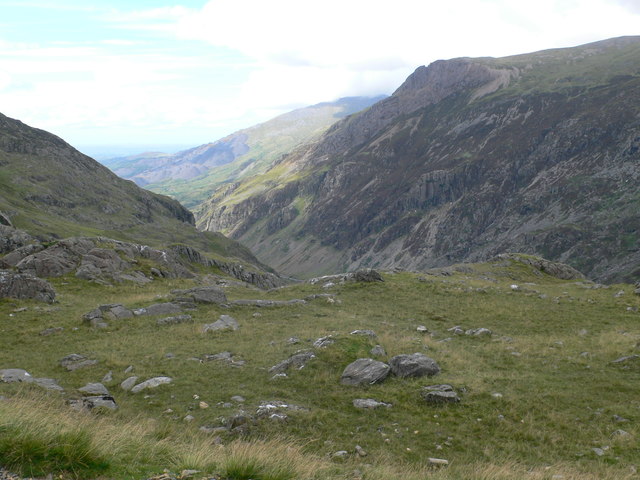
x,y
537,153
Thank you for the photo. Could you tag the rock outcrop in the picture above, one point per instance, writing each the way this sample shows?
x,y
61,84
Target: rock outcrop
x,y
25,286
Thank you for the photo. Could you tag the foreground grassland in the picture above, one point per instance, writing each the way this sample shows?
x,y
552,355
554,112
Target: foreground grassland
x,y
538,397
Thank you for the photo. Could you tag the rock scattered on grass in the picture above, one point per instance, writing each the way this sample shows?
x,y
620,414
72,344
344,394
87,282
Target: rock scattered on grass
x,y
174,320
414,365
369,403
94,389
368,333
151,383
225,322
365,371
298,360
25,286
440,394
75,361
378,351
128,384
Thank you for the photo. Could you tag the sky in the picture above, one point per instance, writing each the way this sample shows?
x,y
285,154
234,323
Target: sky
x,y
182,73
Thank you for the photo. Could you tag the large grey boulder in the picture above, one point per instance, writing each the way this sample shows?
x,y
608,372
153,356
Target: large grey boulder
x,y
207,294
99,264
151,383
364,371
25,286
415,365
225,322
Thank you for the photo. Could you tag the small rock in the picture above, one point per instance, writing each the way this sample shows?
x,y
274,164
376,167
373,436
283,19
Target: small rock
x,y
621,434
479,332
225,322
174,320
105,401
598,451
129,369
74,361
298,360
108,378
238,399
619,294
457,330
438,462
440,394
378,351
189,418
293,340
422,329
496,395
128,383
340,455
151,383
50,331
203,405
323,342
368,333
515,287
360,451
94,389
369,403
619,419
188,473
626,359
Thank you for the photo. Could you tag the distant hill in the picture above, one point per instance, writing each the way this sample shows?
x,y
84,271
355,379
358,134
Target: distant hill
x,y
192,175
470,157
52,191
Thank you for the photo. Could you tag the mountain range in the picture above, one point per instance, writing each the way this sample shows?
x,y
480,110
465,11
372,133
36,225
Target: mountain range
x,y
191,175
470,157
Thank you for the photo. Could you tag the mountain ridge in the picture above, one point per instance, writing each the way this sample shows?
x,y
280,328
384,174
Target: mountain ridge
x,y
534,153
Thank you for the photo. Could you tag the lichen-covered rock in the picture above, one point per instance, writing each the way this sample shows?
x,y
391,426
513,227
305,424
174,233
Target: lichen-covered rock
x,y
25,286
154,382
440,394
225,322
364,371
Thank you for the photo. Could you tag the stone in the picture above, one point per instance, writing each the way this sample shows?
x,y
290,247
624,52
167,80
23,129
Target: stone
x,y
598,451
422,329
626,359
108,378
367,275
25,286
13,375
365,371
378,351
438,462
369,403
268,303
48,383
297,360
128,384
368,333
108,312
415,365
621,434
324,342
75,361
207,294
174,320
167,308
225,322
238,399
479,332
50,331
340,455
154,382
104,401
440,394
360,451
619,419
94,389
457,330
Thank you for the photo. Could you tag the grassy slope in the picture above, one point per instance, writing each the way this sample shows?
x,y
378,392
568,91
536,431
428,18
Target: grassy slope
x,y
557,402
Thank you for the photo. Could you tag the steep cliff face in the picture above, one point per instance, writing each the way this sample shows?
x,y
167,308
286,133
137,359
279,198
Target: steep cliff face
x,y
537,153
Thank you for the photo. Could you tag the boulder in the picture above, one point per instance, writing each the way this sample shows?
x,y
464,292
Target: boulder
x,y
324,342
14,257
297,360
25,286
368,333
151,383
479,332
111,311
415,365
225,322
364,371
378,351
12,239
208,294
48,383
440,394
57,260
12,375
101,263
